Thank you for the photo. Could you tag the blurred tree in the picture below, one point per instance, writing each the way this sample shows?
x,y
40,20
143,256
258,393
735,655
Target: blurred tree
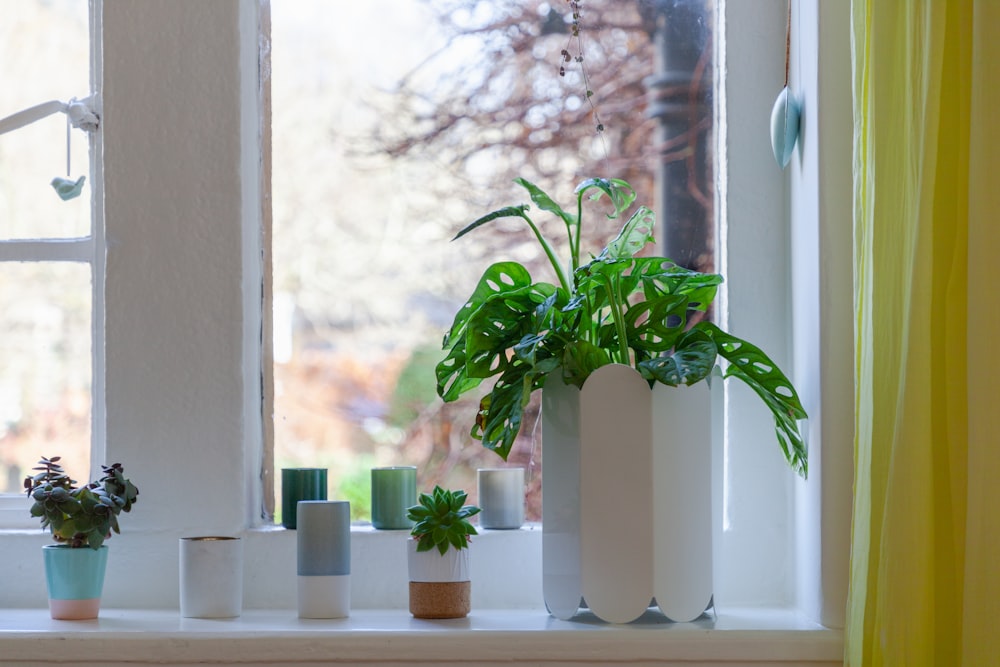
x,y
501,100
564,90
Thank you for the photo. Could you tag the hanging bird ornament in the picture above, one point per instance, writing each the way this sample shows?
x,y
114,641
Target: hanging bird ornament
x,y
785,114
79,114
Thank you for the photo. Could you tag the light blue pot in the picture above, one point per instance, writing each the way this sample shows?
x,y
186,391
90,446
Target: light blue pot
x,y
74,574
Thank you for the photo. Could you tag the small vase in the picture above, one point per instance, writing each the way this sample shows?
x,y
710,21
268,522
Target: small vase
x,y
300,484
211,577
324,559
394,489
440,585
75,579
501,497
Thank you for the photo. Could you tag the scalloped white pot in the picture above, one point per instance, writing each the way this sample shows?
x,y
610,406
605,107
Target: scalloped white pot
x,y
627,496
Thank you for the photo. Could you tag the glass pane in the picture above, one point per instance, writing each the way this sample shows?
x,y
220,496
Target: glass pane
x,y
382,154
44,55
45,368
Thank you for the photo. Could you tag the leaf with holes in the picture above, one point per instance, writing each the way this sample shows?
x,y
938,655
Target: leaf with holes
x,y
690,362
617,308
749,364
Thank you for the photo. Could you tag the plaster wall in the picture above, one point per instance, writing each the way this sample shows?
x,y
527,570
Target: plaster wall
x,y
173,221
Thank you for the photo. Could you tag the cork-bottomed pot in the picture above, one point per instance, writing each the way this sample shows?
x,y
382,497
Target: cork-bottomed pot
x,y
440,585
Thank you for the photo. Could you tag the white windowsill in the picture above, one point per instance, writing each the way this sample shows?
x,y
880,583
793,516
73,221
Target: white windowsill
x,y
738,636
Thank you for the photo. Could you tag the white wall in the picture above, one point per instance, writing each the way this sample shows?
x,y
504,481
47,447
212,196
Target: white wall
x,y
174,262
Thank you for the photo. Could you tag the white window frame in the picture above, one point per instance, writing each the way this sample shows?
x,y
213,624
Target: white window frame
x,y
182,162
85,250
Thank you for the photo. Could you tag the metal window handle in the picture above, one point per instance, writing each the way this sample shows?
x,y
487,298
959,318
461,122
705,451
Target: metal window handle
x,y
81,115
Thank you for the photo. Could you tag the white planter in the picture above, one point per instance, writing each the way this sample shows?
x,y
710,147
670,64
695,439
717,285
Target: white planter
x,y
627,496
211,577
431,566
440,584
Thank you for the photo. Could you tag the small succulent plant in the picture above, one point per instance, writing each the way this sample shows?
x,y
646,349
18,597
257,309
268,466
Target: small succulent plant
x,y
441,520
79,516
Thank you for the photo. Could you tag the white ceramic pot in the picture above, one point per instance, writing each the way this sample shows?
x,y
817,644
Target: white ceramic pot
x,y
440,585
627,489
211,577
432,566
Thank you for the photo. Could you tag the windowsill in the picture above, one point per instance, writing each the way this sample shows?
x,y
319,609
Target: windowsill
x,y
737,636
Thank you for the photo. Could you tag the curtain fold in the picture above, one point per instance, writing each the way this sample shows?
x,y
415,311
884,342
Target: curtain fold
x,y
926,538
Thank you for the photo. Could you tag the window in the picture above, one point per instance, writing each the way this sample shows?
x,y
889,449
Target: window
x,y
414,142
48,268
182,108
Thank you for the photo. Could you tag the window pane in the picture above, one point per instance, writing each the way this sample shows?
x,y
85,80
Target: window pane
x,y
381,154
45,368
44,55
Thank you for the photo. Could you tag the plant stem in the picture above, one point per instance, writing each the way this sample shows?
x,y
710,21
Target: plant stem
x,y
619,317
550,253
574,247
614,304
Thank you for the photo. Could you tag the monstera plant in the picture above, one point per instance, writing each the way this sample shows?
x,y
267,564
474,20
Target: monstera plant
x,y
617,307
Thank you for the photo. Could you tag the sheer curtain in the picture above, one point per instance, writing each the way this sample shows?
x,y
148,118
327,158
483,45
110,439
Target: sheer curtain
x,y
925,563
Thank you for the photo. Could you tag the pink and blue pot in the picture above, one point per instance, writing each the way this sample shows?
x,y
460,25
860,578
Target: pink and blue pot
x,y
75,578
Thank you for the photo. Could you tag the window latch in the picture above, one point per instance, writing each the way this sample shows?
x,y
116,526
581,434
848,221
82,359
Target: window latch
x,y
81,114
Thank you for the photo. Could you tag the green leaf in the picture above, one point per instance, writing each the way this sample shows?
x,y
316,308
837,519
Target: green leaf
x,y
620,192
656,324
499,325
751,365
455,373
452,378
498,278
580,359
456,539
502,410
544,202
635,234
658,276
505,212
691,361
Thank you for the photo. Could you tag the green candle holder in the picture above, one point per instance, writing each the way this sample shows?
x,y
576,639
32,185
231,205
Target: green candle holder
x,y
393,490
300,484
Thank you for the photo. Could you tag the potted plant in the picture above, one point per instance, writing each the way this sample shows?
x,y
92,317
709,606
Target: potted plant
x,y
438,554
80,520
617,308
633,326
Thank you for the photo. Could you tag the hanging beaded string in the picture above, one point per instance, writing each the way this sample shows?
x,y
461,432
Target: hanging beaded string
x,y
576,40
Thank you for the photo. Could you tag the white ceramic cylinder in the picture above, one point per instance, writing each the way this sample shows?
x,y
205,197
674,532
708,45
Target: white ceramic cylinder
x,y
324,558
211,577
434,567
501,498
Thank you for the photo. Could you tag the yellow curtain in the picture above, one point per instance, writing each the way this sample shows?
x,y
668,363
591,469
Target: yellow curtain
x,y
925,561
